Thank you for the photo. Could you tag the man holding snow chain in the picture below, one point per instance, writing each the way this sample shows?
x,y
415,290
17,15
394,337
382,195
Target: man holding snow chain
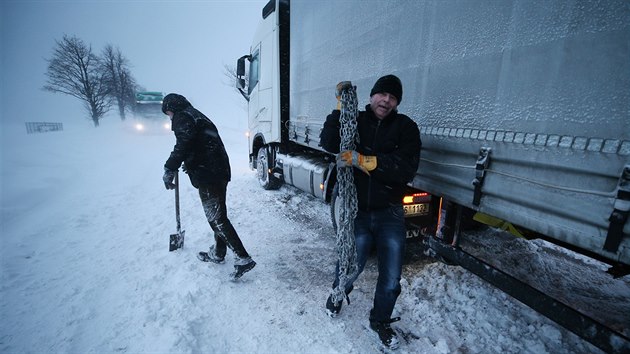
x,y
385,160
199,146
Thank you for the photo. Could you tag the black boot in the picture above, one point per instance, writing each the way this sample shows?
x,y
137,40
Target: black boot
x,y
385,332
332,308
242,266
211,256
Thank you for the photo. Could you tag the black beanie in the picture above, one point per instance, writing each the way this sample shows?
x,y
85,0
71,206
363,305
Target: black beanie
x,y
174,103
390,84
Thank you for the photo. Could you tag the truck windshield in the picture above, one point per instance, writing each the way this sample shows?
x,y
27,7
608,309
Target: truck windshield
x,y
149,104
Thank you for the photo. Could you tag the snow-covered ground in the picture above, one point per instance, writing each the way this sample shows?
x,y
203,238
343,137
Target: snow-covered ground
x,y
86,268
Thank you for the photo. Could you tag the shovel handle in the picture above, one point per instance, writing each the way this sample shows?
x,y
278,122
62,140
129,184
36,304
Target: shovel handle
x,y
177,202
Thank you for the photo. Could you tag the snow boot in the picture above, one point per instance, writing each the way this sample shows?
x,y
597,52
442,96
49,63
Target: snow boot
x,y
385,332
242,266
210,256
332,308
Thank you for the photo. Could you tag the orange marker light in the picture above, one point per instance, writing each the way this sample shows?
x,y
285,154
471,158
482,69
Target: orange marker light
x,y
415,198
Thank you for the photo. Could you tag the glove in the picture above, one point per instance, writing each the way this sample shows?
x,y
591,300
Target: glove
x,y
341,86
352,158
169,176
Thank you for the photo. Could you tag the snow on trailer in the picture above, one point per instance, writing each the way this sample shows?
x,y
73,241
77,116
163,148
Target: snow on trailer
x,y
523,110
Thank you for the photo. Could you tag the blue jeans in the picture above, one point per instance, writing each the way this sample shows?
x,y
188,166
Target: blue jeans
x,y
384,230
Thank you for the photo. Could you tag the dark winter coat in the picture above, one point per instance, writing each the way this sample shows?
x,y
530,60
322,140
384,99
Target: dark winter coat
x,y
395,141
198,144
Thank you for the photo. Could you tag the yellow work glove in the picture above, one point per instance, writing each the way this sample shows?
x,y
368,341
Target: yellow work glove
x,y
352,158
341,86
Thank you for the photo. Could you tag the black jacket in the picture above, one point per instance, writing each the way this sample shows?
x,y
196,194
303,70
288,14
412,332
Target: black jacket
x,y
395,141
198,146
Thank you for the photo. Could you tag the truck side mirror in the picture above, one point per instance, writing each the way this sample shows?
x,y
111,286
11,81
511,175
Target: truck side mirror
x,y
240,66
240,75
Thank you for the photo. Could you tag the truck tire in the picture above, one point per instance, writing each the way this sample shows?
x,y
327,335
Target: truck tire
x,y
267,180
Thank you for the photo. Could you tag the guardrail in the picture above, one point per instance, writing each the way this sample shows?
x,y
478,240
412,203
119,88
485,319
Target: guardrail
x,y
42,127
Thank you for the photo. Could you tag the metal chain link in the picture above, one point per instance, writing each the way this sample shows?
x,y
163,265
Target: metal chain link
x,y
346,246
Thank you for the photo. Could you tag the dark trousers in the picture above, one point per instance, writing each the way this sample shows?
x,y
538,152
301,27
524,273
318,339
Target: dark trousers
x,y
384,230
213,201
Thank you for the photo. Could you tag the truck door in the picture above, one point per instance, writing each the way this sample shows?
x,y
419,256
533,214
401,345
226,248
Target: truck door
x,y
253,92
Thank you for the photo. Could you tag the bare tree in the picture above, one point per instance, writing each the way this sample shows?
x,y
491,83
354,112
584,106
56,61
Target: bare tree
x,y
74,70
119,79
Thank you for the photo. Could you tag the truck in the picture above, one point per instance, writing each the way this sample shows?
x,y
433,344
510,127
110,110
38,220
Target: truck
x,y
147,112
523,109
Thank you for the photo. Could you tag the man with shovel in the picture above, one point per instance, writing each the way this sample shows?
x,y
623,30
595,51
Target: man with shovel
x,y
199,146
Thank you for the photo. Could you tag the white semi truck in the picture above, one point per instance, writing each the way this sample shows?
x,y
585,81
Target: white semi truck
x,y
523,109
524,106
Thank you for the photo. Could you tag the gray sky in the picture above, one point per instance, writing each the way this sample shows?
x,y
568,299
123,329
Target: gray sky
x,y
172,46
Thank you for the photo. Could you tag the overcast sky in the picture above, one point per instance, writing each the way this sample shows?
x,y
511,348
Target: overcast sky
x,y
172,46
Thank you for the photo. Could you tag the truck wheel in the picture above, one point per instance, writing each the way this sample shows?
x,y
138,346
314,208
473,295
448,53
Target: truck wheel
x,y
267,180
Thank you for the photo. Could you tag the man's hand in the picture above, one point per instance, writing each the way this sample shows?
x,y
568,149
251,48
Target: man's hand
x,y
169,176
352,158
341,86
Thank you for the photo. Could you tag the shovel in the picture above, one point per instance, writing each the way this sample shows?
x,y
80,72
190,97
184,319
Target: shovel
x,y
177,240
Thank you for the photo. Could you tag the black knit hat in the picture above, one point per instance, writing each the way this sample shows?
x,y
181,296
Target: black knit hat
x,y
174,103
390,84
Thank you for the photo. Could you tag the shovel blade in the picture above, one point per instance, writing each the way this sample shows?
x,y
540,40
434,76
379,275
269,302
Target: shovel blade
x,y
176,241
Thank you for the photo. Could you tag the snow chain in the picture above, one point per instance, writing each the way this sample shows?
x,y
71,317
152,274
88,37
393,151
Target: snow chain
x,y
346,246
